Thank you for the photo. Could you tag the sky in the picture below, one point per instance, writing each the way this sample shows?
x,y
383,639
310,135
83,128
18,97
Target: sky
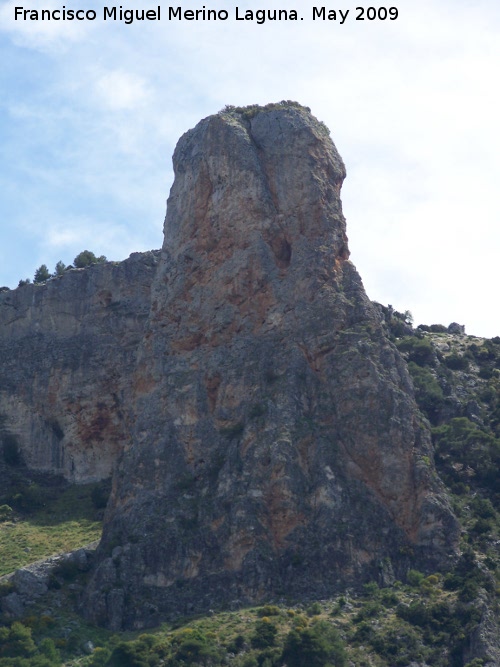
x,y
90,112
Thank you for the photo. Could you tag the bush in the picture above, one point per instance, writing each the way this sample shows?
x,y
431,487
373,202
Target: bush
x,y
16,641
414,578
87,258
399,646
315,646
482,527
268,610
42,274
419,350
196,648
28,497
236,645
456,362
314,609
461,441
128,654
429,395
5,512
265,634
368,610
483,508
60,269
99,657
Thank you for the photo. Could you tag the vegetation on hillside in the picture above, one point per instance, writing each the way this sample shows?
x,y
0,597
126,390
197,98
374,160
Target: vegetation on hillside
x,y
423,621
81,261
427,619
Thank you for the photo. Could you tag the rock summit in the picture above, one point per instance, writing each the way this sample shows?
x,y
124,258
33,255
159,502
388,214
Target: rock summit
x,y
276,448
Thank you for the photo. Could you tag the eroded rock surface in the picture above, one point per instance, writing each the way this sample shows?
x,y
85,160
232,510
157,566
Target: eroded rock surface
x,y
275,446
67,353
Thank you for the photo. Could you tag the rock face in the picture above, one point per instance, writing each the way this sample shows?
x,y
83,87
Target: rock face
x,y
275,447
67,352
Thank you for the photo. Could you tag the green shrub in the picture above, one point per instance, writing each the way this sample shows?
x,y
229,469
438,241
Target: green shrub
x,y
314,609
456,362
16,641
414,578
41,274
419,350
483,508
371,589
388,597
87,258
364,633
47,648
399,646
461,441
428,393
482,526
60,269
477,662
368,610
315,646
252,110
196,648
5,512
128,654
99,657
264,634
236,645
268,610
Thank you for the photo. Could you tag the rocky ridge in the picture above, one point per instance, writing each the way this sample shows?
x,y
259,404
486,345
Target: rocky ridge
x,y
261,426
277,447
67,352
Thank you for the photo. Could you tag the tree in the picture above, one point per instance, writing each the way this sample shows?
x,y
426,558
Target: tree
x,y
86,258
41,274
265,634
408,317
22,283
315,646
60,268
16,642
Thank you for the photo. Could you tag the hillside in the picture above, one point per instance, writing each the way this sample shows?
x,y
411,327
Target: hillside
x,y
448,619
297,472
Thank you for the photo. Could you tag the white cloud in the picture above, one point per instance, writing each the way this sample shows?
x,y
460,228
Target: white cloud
x,y
51,36
412,107
119,90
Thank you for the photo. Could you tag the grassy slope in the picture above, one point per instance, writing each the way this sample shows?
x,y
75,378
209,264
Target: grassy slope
x,y
47,518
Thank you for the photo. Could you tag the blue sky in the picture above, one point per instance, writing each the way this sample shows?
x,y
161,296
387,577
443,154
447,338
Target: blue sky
x,y
90,114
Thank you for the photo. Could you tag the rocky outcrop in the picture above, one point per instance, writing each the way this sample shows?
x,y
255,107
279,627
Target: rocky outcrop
x,y
275,446
67,352
42,580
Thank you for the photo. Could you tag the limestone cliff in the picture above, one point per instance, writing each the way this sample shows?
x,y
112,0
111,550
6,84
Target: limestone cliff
x,y
67,352
274,446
